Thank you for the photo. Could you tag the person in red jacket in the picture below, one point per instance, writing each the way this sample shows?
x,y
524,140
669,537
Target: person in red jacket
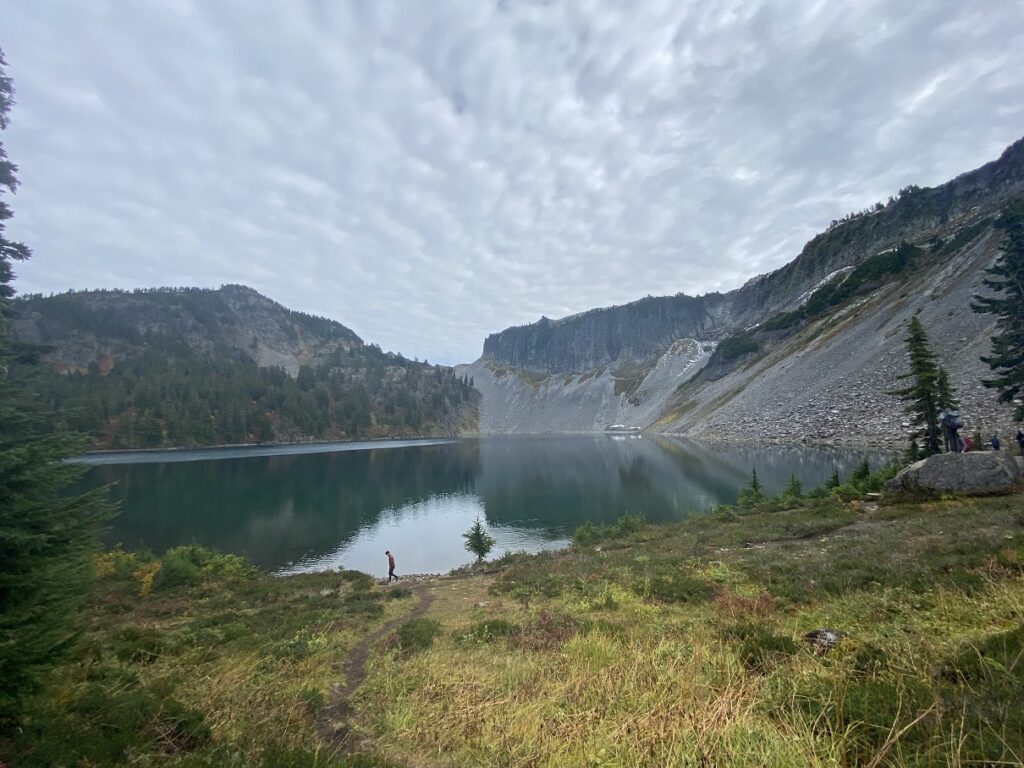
x,y
391,566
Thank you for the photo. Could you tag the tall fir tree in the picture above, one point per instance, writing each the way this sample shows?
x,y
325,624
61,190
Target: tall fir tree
x,y
1005,279
945,392
922,396
945,400
46,534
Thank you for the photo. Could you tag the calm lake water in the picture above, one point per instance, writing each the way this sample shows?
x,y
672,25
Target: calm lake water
x,y
340,506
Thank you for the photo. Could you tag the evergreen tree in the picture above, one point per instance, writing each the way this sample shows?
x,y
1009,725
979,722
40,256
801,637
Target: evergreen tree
x,y
945,392
833,481
46,535
946,400
794,488
478,541
753,494
1005,278
922,395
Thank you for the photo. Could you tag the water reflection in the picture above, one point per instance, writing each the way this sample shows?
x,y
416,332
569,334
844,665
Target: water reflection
x,y
346,508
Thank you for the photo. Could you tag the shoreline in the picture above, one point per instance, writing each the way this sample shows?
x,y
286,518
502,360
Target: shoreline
x,y
245,450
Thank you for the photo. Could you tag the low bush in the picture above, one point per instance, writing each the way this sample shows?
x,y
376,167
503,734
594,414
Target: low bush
x,y
548,632
490,630
114,716
137,644
360,581
676,588
417,635
759,649
588,533
191,565
313,699
735,347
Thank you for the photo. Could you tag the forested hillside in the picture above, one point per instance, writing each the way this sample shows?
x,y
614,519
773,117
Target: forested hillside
x,y
181,367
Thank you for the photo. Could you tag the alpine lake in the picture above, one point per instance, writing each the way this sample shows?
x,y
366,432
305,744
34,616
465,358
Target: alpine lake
x,y
332,506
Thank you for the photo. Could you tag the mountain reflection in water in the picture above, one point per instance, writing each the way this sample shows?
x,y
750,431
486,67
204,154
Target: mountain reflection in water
x,y
328,510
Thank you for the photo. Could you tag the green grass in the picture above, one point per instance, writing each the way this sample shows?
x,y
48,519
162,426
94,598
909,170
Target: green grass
x,y
638,645
205,663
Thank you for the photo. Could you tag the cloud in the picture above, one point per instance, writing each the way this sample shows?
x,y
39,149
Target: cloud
x,y
428,173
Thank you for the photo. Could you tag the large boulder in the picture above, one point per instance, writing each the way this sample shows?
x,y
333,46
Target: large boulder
x,y
970,474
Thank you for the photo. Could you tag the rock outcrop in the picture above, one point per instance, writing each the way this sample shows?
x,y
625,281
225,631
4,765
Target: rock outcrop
x,y
969,474
826,377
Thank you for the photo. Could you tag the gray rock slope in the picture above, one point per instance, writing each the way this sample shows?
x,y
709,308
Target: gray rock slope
x,y
630,365
831,382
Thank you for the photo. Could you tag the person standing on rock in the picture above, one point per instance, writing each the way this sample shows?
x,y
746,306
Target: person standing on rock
x,y
391,566
994,442
1020,441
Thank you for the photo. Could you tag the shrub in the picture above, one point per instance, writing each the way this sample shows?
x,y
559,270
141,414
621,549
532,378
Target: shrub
x,y
176,570
588,533
116,716
547,632
490,630
363,603
138,644
417,635
626,525
782,321
313,699
760,649
189,566
737,346
677,588
360,581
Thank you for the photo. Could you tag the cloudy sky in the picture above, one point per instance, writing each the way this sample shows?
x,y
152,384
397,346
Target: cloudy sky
x,y
430,171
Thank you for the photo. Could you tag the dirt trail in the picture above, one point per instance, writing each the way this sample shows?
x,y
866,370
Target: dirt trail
x,y
335,717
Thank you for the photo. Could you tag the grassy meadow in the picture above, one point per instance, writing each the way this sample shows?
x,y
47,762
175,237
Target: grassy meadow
x,y
638,646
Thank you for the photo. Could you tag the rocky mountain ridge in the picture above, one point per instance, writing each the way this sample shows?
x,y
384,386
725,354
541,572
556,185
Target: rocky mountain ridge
x,y
82,327
645,328
778,375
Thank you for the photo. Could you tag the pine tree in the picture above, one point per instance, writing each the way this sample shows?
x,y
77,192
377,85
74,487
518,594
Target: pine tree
x,y
753,494
946,400
922,395
46,534
945,392
478,541
1005,278
794,488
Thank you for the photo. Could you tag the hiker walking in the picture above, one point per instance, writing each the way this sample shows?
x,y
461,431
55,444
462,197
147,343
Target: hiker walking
x,y
391,566
1020,441
994,442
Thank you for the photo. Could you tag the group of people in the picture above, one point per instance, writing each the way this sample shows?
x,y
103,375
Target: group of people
x,y
1019,437
951,425
965,443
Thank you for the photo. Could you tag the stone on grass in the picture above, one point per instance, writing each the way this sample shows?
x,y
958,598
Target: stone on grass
x,y
977,473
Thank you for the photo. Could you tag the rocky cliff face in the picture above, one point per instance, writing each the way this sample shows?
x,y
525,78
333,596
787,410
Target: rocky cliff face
x,y
646,328
826,380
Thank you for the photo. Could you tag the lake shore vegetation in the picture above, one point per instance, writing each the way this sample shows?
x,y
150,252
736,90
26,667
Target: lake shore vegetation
x,y
638,645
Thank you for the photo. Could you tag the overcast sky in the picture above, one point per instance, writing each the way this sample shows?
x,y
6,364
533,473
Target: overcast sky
x,y
429,171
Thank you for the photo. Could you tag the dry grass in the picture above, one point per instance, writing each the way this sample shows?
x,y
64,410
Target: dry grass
x,y
676,645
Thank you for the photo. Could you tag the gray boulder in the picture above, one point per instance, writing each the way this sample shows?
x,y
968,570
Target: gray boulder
x,y
971,474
